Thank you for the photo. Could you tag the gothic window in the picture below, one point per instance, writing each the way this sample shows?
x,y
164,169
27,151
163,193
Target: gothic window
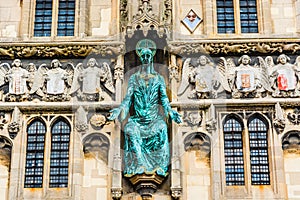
x,y
258,140
35,154
46,21
233,150
59,160
227,20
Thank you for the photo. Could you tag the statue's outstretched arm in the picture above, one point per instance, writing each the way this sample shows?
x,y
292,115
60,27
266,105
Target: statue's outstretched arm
x,y
122,111
175,116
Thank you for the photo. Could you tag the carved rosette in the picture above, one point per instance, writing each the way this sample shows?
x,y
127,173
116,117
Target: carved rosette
x,y
98,120
193,118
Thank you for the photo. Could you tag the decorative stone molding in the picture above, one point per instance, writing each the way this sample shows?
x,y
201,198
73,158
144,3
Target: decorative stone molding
x,y
193,118
146,185
234,47
76,50
291,141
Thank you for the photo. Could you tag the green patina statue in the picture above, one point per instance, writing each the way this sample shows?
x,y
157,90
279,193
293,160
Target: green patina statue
x,y
146,146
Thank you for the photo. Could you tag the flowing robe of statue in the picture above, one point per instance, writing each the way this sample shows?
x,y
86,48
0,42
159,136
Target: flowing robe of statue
x,y
146,148
91,80
17,80
56,81
146,145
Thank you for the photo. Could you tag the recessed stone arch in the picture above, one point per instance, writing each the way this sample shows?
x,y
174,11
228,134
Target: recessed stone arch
x,y
197,141
291,141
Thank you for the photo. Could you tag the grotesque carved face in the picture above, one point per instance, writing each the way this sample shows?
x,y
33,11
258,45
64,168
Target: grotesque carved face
x,y
146,56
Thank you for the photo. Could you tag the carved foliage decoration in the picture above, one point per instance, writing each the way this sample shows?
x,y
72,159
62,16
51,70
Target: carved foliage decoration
x,y
294,117
291,141
60,50
197,141
193,118
224,48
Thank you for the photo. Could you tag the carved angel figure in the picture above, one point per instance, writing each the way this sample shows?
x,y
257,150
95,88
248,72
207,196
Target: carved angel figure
x,y
201,78
16,76
251,81
284,77
87,82
52,83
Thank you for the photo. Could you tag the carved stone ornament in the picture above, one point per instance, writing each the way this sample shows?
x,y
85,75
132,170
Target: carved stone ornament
x,y
193,118
3,121
294,117
96,145
176,192
98,120
116,193
59,50
14,127
119,72
238,47
291,141
5,151
81,120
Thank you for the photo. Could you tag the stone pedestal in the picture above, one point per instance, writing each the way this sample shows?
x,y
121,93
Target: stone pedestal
x,y
146,185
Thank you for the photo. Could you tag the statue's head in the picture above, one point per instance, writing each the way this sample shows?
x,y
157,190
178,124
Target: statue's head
x,y
283,59
17,63
245,60
55,63
146,56
92,62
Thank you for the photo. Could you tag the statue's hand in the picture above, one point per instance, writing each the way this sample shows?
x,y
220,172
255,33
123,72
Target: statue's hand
x,y
114,113
175,116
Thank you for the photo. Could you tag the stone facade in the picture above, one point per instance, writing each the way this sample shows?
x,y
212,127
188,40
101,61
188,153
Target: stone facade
x,y
50,86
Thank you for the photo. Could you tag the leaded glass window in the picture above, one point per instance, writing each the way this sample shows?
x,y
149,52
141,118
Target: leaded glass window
x,y
258,139
225,16
233,150
66,18
59,159
248,14
35,155
43,18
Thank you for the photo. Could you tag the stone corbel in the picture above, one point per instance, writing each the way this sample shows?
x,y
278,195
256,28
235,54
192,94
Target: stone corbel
x,y
176,192
14,126
279,121
81,124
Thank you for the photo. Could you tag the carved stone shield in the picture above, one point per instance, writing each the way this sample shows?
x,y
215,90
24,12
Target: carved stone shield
x,y
55,83
245,80
286,79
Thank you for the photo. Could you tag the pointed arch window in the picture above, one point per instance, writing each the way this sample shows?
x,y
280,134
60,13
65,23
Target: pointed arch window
x,y
233,150
35,154
59,159
258,140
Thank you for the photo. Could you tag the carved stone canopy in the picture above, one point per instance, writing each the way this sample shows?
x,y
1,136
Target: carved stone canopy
x,y
291,141
96,145
197,141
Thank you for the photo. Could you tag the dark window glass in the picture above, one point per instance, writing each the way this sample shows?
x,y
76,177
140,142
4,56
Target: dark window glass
x,y
59,159
233,150
43,18
35,155
225,16
248,14
66,18
258,138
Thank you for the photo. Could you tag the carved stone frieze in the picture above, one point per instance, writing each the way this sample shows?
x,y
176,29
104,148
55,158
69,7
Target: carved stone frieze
x,y
59,50
224,48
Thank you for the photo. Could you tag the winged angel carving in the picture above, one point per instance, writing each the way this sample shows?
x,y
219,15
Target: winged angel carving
x,y
53,83
204,80
246,80
87,81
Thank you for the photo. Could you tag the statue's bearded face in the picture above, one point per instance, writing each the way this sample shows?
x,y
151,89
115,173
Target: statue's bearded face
x,y
146,57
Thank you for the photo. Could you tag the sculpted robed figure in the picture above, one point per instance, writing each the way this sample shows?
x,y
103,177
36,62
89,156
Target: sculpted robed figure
x,y
146,147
